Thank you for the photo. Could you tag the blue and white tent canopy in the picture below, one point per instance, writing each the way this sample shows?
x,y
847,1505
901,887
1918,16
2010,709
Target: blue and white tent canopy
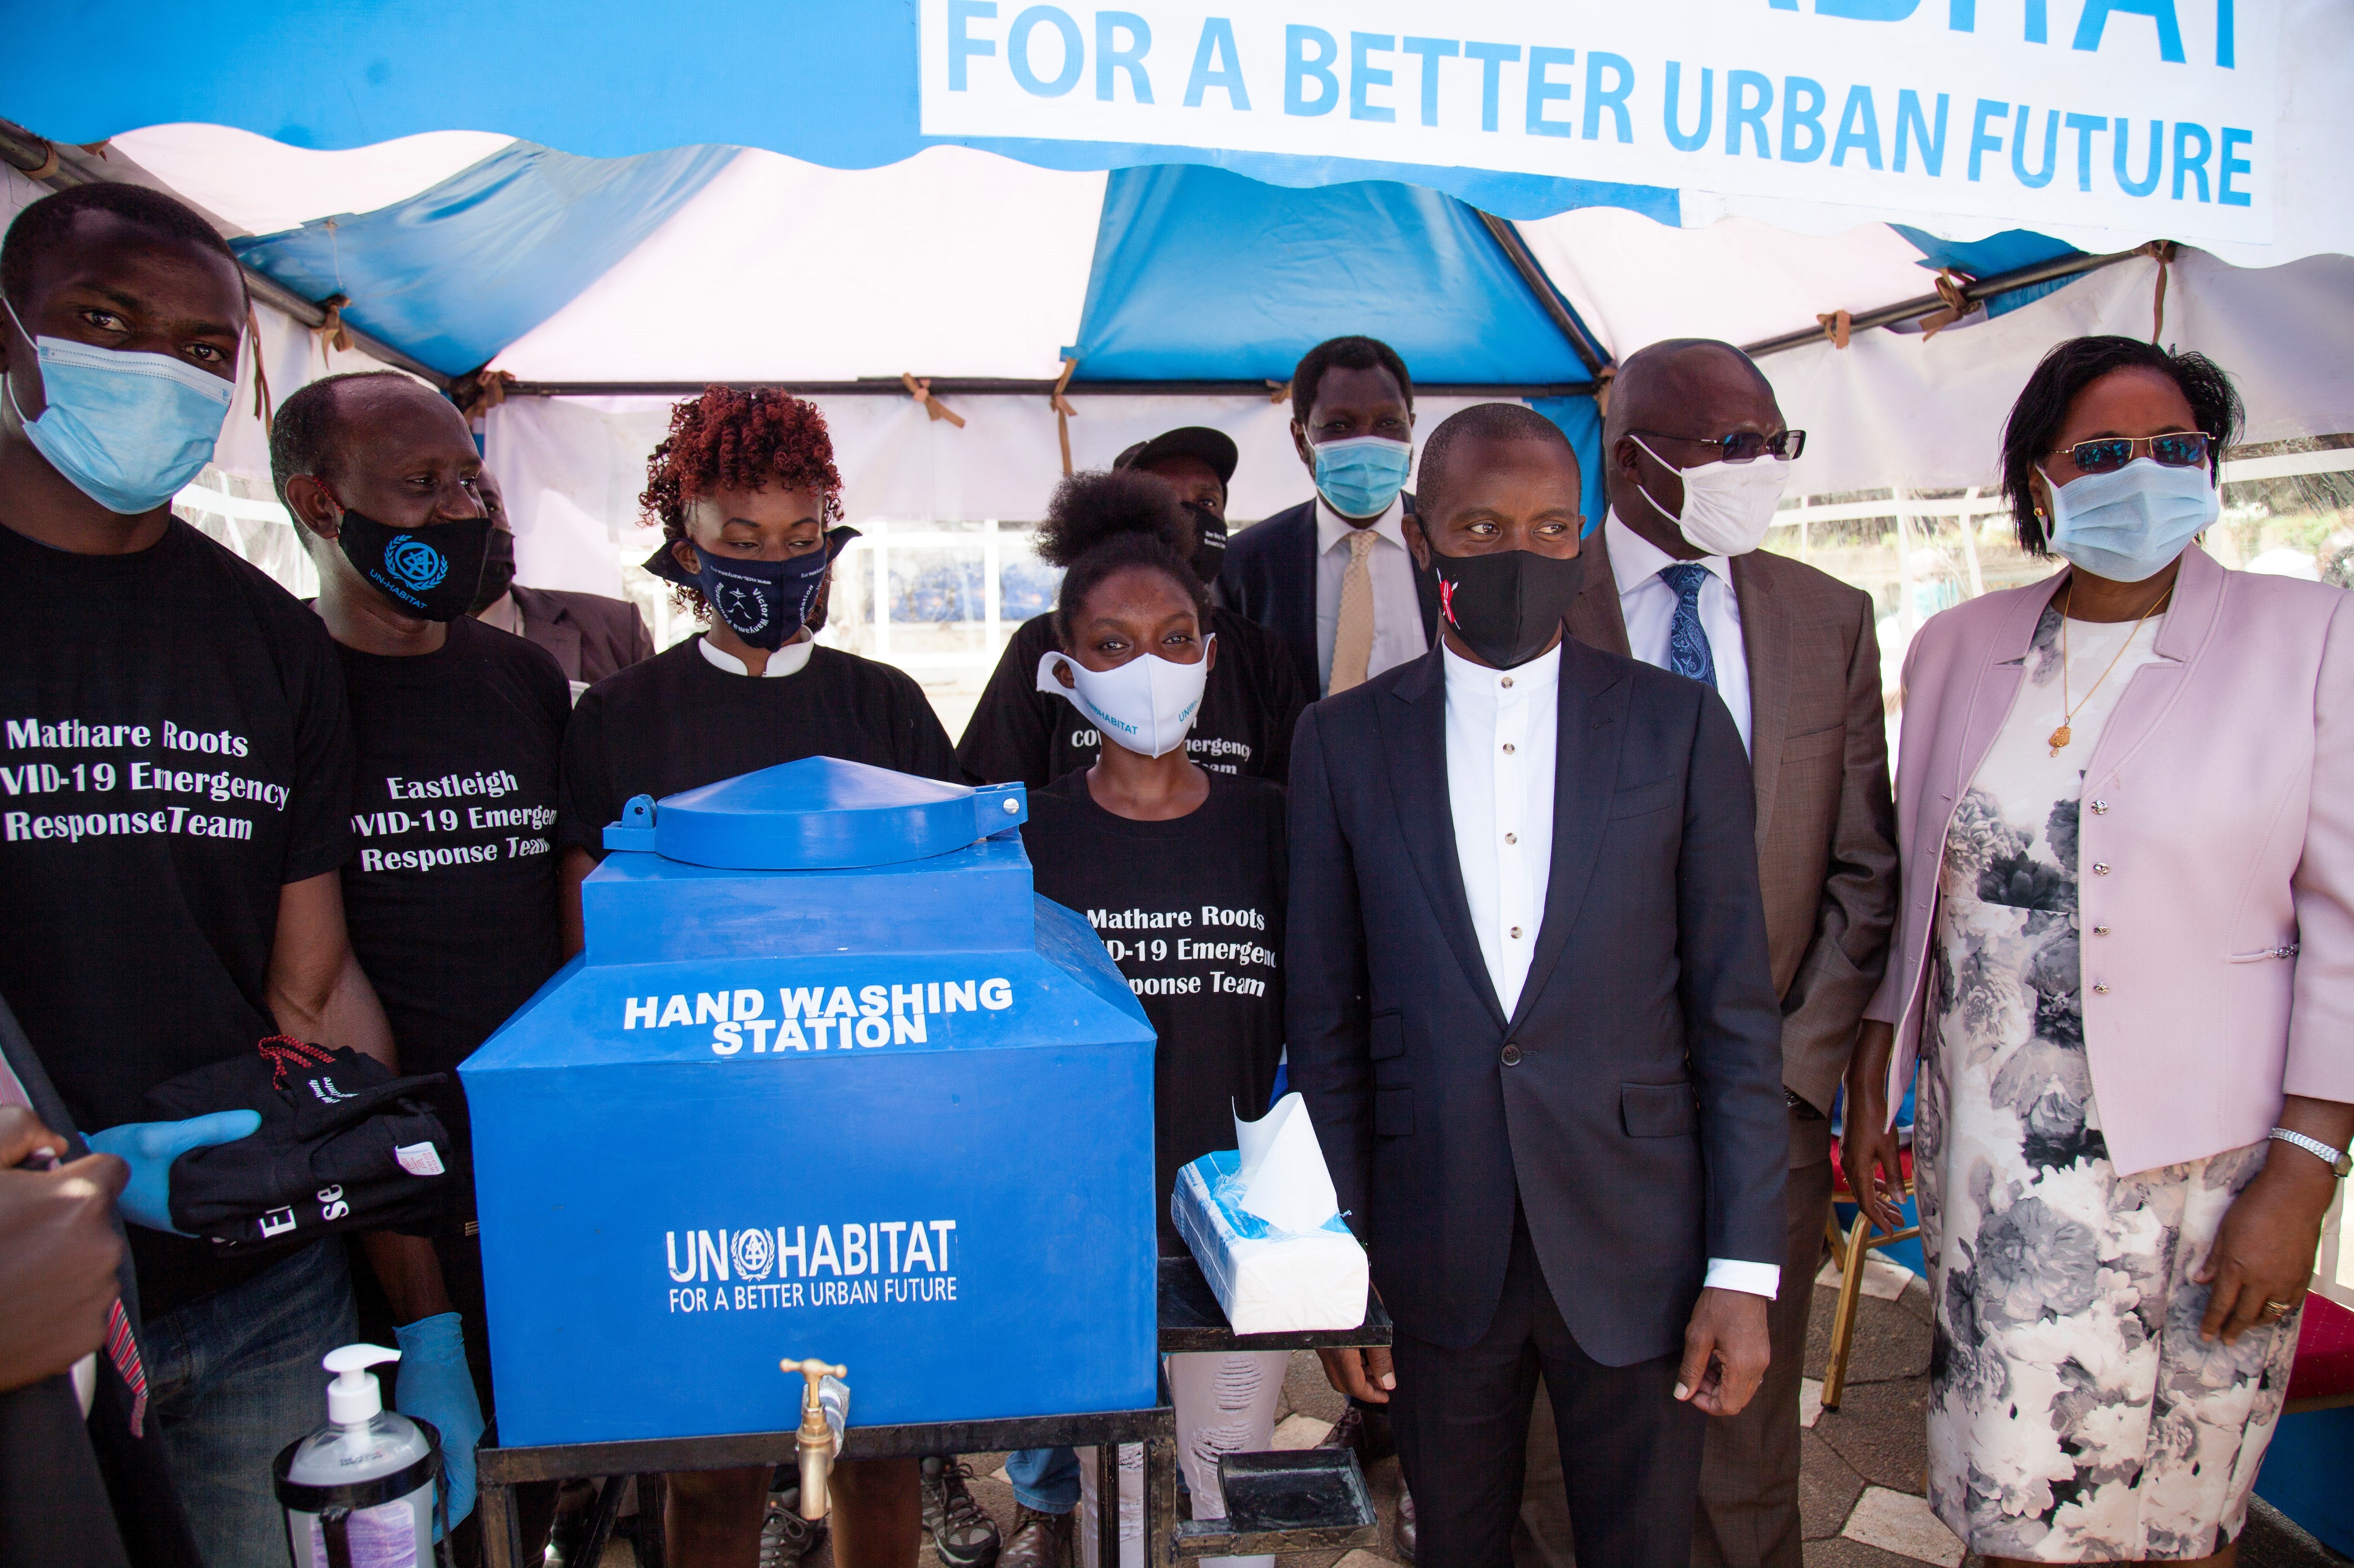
x,y
803,194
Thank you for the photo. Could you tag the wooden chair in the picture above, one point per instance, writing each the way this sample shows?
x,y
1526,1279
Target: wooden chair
x,y
1850,1251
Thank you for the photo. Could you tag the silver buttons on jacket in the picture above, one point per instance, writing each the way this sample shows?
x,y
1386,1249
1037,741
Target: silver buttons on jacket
x,y
2100,990
2100,931
2100,868
2099,808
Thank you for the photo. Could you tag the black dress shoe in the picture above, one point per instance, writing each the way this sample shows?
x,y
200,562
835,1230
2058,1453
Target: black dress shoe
x,y
1405,1531
1366,1429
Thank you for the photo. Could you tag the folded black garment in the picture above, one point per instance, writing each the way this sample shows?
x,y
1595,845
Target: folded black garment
x,y
342,1145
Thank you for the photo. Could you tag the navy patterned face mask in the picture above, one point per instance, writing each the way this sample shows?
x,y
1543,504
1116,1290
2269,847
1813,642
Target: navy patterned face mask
x,y
766,603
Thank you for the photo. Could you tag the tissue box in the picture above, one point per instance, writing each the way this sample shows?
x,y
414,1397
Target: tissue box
x,y
1268,1281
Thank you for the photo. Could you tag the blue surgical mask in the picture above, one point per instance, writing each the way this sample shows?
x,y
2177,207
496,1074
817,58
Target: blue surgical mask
x,y
1361,476
129,430
2126,526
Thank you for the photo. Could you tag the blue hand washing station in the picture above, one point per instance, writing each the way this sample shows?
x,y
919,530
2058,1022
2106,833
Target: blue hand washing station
x,y
830,1081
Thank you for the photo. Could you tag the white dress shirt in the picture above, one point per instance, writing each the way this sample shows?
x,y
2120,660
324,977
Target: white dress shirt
x,y
789,660
1501,736
1398,637
1647,605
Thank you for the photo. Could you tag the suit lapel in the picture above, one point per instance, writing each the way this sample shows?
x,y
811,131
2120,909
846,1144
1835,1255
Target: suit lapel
x,y
2151,690
1594,617
1766,642
1592,719
1303,619
1413,717
563,639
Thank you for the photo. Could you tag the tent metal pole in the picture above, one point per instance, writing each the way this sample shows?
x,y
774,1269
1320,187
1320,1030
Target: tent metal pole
x,y
61,166
1516,251
1976,291
990,387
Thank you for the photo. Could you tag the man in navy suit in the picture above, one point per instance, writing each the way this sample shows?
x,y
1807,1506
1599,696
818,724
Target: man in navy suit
x,y
1531,1009
1332,576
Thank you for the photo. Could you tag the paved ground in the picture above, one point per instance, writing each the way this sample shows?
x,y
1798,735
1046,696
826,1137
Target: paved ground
x,y
1861,1498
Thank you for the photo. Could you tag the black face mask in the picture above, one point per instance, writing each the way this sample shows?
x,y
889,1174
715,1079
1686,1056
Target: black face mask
x,y
766,603
1210,541
430,571
1508,605
498,572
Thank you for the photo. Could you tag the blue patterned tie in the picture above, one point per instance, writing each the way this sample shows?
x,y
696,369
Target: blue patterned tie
x,y
1688,649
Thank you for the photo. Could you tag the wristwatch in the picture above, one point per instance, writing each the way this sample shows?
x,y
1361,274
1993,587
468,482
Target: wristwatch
x,y
2340,1163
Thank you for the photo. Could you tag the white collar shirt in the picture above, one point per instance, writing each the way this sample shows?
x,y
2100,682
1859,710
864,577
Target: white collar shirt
x,y
1502,735
1647,605
789,660
1398,637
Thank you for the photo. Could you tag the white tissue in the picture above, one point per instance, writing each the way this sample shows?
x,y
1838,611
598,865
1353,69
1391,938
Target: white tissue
x,y
1268,1281
1283,1177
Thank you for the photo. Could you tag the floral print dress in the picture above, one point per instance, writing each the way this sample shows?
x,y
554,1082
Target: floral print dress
x,y
2074,1414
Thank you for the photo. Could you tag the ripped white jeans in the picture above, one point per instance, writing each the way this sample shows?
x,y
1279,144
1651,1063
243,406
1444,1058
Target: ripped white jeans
x,y
1225,1404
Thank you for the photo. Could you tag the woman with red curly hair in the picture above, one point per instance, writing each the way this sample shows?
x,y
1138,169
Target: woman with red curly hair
x,y
744,489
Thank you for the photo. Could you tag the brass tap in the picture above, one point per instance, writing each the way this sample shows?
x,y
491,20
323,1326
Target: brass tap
x,y
816,1436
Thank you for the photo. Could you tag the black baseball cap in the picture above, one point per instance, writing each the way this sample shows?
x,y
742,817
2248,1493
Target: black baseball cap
x,y
1215,448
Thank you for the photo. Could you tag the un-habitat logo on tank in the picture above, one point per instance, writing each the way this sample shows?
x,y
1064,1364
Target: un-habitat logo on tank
x,y
782,1268
817,1017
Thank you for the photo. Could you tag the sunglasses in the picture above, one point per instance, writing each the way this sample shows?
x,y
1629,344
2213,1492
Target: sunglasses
x,y
2179,449
1741,446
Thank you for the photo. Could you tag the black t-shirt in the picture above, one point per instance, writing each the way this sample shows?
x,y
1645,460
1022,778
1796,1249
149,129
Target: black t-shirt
x,y
450,890
1192,911
1249,706
175,750
677,721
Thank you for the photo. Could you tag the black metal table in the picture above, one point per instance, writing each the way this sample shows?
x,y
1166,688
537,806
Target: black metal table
x,y
1278,1502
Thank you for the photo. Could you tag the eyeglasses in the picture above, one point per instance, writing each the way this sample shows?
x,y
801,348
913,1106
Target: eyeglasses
x,y
1741,446
2177,449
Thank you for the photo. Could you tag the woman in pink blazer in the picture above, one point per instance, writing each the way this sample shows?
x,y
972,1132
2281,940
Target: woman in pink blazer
x,y
2125,804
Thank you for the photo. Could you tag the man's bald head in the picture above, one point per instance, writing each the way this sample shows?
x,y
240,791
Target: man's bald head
x,y
1679,375
313,430
1672,405
1482,424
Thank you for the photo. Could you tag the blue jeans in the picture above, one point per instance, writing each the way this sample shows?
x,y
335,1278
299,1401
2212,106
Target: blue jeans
x,y
1046,1479
234,1377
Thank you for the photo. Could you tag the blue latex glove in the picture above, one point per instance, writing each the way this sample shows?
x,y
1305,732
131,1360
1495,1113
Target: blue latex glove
x,y
434,1385
150,1147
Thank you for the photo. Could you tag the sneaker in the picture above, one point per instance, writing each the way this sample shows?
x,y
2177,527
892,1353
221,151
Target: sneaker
x,y
787,1539
1040,1539
963,1534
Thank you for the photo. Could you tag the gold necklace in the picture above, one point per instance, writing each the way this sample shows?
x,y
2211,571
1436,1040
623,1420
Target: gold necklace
x,y
2060,737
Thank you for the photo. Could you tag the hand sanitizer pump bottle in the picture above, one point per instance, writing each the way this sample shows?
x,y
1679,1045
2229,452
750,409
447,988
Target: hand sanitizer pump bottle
x,y
359,1491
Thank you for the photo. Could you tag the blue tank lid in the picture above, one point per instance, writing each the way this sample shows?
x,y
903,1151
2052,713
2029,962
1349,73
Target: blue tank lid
x,y
820,813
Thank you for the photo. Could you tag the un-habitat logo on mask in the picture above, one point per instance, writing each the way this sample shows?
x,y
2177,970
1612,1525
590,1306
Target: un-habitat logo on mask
x,y
2131,115
414,563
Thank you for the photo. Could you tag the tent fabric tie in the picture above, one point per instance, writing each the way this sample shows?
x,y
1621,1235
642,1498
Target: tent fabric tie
x,y
2162,252
1278,391
1604,379
48,163
261,404
1837,325
485,390
330,330
1950,287
920,389
1063,412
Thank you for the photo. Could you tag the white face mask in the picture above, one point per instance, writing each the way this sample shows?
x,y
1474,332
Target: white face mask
x,y
1145,706
1728,506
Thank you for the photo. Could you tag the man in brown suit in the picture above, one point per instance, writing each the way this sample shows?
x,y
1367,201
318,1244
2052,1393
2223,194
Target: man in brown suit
x,y
591,636
1792,653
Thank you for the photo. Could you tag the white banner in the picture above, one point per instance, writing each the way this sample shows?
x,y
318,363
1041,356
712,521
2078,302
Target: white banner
x,y
2148,117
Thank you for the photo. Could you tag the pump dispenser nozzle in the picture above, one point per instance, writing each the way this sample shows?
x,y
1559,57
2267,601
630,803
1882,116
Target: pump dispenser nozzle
x,y
355,1398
